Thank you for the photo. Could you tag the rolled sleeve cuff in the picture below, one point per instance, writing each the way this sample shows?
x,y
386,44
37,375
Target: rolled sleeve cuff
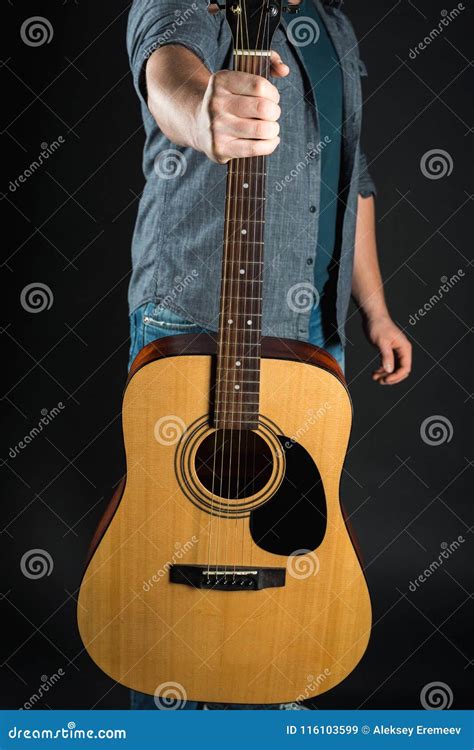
x,y
162,22
366,183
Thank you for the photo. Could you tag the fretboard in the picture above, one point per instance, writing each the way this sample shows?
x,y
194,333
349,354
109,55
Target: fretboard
x,y
240,321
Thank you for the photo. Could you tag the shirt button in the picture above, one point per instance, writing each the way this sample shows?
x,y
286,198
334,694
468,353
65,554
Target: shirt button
x,y
309,261
312,209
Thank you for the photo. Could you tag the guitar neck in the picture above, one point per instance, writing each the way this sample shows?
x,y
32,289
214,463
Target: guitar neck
x,y
240,319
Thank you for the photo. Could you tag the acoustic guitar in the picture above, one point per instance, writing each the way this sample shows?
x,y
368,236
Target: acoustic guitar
x,y
224,569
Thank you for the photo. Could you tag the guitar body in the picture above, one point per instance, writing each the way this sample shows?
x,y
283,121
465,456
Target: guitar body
x,y
291,617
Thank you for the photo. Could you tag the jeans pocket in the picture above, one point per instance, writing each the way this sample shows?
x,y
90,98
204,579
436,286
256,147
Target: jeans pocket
x,y
163,319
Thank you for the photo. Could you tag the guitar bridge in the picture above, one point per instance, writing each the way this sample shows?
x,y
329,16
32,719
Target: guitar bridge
x,y
228,577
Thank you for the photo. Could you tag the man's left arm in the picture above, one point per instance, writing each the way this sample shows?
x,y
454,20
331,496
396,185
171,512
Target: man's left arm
x,y
367,288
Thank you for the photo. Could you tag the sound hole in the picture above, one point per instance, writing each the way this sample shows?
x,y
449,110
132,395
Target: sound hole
x,y
234,464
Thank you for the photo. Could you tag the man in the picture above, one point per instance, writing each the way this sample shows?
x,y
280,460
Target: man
x,y
198,114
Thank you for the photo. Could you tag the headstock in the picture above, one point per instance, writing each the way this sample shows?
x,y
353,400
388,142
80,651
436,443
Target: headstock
x,y
253,22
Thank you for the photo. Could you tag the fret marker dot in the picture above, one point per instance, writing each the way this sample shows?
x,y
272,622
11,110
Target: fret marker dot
x,y
237,387
246,185
238,363
230,321
242,271
249,322
244,231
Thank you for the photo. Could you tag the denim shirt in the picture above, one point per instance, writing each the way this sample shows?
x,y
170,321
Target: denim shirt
x,y
177,243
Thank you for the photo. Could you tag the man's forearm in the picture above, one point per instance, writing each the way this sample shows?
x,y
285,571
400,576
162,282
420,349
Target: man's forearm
x,y
367,284
176,83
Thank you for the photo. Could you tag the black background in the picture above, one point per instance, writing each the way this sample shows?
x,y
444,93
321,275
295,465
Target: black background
x,y
69,226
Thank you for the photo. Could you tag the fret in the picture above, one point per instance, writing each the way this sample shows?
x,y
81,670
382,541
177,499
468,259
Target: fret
x,y
244,241
246,356
246,220
246,197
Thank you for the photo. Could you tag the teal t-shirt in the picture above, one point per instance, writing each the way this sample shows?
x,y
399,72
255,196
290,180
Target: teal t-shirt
x,y
322,64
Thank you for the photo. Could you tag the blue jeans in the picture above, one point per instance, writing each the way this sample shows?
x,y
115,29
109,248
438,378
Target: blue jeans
x,y
150,322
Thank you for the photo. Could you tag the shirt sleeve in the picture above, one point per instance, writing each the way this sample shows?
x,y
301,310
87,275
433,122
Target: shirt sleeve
x,y
155,23
366,183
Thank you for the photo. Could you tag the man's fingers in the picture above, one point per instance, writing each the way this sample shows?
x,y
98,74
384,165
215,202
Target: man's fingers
x,y
247,84
239,127
242,148
278,68
403,356
386,355
254,106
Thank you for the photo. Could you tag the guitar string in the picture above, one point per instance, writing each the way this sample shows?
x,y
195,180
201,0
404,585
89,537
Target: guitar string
x,y
249,65
220,372
232,335
255,213
237,397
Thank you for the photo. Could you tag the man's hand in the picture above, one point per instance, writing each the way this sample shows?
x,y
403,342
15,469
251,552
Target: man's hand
x,y
394,347
238,115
